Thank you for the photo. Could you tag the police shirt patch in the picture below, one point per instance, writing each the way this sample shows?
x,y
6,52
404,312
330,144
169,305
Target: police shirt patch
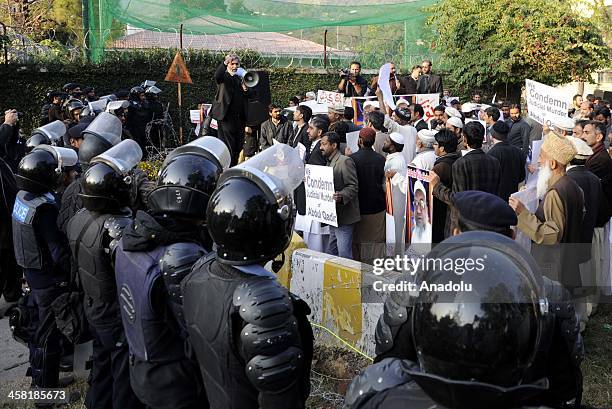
x,y
20,211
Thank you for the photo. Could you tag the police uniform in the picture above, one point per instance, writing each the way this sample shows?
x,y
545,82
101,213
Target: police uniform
x,y
43,252
251,336
527,334
153,256
93,233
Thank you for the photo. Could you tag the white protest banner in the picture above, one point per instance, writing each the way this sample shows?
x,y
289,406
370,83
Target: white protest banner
x,y
352,141
429,102
320,203
529,198
330,98
383,83
546,103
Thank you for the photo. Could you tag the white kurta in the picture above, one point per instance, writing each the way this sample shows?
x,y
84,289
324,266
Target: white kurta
x,y
425,160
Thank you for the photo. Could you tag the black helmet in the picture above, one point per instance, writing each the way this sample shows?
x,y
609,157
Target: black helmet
x,y
487,334
103,133
250,215
71,105
37,139
39,170
135,92
104,189
188,177
107,183
48,134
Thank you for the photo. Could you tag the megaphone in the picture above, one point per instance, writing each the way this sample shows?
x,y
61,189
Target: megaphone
x,y
250,78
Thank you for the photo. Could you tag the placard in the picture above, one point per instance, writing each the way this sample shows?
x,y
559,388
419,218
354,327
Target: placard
x,y
352,141
330,98
419,206
546,103
319,186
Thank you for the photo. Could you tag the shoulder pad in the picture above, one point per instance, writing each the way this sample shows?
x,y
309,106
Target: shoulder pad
x,y
375,378
175,263
270,340
263,301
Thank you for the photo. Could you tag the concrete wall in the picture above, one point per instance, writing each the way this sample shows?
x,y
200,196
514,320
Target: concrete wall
x,y
335,288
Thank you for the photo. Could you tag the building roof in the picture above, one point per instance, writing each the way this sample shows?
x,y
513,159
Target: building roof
x,y
265,43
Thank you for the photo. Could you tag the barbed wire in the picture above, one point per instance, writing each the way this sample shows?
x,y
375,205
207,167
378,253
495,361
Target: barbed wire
x,y
286,50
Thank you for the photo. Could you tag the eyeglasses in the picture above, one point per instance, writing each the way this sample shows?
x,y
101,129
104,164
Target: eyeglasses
x,y
419,203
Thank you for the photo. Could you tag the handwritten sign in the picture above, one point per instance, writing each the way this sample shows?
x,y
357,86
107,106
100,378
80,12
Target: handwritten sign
x,y
320,203
330,98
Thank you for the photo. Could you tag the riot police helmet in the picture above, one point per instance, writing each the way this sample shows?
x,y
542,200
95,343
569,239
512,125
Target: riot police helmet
x,y
103,133
48,134
188,177
71,106
487,333
251,213
107,182
39,171
135,93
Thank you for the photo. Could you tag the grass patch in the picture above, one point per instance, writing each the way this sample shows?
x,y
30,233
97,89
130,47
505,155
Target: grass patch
x,y
597,366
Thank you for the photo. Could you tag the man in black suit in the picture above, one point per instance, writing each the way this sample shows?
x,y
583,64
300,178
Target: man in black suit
x,y
512,164
418,117
229,106
369,233
429,83
301,117
475,170
315,130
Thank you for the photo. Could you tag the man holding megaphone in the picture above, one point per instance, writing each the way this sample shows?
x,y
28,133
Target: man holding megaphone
x,y
229,108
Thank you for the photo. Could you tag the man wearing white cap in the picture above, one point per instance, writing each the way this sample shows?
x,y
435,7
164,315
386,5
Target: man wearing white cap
x,y
450,112
455,125
426,157
400,122
563,126
421,227
596,216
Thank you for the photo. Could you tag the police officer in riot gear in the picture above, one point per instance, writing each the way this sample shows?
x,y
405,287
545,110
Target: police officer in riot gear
x,y
155,253
511,341
251,336
49,134
103,133
43,252
93,233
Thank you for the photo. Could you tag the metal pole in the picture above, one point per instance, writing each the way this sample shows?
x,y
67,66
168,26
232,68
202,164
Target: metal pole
x,y
325,49
406,47
180,96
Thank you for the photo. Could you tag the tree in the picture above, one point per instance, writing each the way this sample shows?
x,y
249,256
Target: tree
x,y
491,43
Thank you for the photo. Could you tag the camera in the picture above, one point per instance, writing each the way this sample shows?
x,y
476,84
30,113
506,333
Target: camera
x,y
346,75
19,116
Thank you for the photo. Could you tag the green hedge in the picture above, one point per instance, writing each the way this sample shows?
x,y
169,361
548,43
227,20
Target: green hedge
x,y
23,86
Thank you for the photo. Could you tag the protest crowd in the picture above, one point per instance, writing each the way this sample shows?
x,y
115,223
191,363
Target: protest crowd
x,y
168,277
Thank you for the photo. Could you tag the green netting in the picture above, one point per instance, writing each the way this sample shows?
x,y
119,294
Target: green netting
x,y
231,16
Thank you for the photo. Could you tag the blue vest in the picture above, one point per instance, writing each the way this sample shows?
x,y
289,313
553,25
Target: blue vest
x,y
28,253
152,337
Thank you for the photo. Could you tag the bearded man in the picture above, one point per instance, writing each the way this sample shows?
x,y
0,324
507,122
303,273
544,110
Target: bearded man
x,y
558,219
